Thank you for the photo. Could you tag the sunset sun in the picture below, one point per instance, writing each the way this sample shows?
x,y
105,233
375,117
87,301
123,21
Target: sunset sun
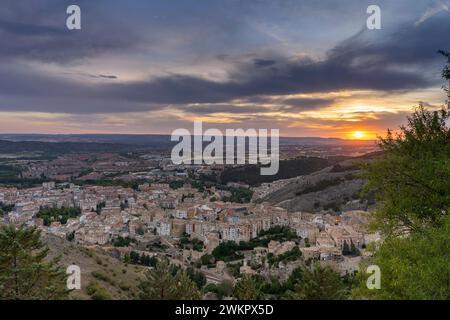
x,y
358,135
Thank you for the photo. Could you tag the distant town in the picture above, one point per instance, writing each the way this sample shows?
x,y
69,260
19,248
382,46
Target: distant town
x,y
137,207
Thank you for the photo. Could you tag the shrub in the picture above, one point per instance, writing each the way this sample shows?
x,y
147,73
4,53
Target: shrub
x,y
97,292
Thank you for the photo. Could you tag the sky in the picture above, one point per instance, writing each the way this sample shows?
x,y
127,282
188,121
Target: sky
x,y
308,68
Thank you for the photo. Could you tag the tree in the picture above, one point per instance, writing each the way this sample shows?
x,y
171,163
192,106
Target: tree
x,y
134,257
166,282
223,289
412,268
345,249
158,283
50,215
247,289
411,182
353,249
70,236
184,288
207,259
197,276
294,278
227,251
320,283
25,271
412,178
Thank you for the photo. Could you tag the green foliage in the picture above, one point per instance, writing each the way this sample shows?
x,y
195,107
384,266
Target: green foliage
x,y
207,260
239,195
100,206
413,268
223,289
123,241
147,260
349,249
5,208
184,288
278,233
159,284
50,215
234,268
248,288
194,244
291,255
97,292
143,259
70,236
303,283
307,244
412,178
197,276
227,251
412,182
293,280
320,283
25,271
198,185
273,287
176,184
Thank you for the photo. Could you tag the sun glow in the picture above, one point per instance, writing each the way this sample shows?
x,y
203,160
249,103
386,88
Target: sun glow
x,y
358,135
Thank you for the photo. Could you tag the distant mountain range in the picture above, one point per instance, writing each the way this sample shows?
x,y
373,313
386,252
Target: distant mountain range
x,y
55,148
154,139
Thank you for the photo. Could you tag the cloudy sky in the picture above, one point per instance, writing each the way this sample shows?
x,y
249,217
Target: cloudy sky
x,y
309,68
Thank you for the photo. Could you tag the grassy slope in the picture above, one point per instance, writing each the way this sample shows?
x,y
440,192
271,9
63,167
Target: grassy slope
x,y
119,279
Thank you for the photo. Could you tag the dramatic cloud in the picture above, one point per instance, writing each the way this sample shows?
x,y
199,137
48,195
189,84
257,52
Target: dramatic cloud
x,y
258,61
359,63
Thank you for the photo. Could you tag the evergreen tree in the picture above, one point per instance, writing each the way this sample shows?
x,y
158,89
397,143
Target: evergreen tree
x,y
25,271
320,283
184,288
247,289
143,259
158,283
166,282
345,248
197,276
134,257
353,249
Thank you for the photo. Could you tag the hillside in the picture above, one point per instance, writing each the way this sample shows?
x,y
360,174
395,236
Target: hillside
x,y
335,187
118,278
251,174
